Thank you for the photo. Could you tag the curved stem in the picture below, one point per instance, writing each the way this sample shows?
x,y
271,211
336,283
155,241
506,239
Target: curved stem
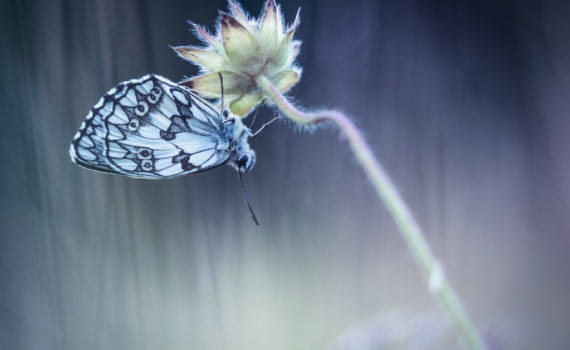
x,y
407,225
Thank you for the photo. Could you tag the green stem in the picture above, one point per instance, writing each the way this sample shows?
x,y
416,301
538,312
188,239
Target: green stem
x,y
408,227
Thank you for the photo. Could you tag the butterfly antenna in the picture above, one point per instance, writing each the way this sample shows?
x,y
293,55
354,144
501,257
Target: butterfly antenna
x,y
222,89
245,199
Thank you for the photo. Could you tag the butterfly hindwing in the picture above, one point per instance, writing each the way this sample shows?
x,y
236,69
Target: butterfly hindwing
x,y
150,128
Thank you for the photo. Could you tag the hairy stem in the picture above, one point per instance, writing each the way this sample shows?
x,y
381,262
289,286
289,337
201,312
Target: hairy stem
x,y
408,227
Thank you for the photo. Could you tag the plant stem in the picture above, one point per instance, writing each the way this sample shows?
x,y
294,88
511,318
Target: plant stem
x,y
408,227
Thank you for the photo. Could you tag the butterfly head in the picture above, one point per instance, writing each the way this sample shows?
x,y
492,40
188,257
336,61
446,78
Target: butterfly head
x,y
244,157
246,162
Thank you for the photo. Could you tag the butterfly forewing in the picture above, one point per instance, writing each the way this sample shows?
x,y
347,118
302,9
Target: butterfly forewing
x,y
150,128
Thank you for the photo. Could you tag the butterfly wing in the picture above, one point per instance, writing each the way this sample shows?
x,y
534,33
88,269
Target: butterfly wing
x,y
150,128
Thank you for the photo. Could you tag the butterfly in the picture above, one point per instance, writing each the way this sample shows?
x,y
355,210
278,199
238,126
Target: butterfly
x,y
153,128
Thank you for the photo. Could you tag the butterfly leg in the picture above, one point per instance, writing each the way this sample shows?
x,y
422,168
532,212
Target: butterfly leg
x,y
266,124
254,118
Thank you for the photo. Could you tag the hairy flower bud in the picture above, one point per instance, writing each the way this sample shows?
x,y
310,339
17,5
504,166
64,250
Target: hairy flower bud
x,y
243,50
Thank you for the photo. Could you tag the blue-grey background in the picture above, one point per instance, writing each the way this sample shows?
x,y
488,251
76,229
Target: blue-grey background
x,y
465,102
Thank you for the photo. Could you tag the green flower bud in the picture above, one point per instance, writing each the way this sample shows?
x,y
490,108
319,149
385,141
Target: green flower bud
x,y
243,50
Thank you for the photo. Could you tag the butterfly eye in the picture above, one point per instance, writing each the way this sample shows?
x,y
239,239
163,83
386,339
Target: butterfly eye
x,y
141,109
134,124
242,161
226,113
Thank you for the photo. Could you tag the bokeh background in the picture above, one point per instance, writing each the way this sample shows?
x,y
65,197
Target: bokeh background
x,y
465,102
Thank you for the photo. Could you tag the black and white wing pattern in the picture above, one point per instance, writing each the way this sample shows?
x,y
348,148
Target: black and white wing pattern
x,y
150,128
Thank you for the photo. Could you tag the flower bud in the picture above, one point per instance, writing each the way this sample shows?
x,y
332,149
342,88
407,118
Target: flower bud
x,y
243,50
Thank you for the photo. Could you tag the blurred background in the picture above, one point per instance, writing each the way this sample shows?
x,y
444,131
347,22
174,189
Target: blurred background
x,y
465,102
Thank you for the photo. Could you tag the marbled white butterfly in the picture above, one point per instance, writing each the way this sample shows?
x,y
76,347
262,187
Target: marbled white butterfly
x,y
153,128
